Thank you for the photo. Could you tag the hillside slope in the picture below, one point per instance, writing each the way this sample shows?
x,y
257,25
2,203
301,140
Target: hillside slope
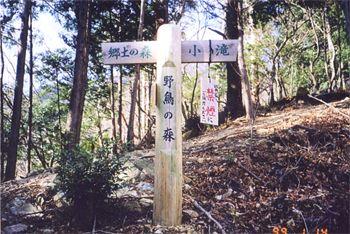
x,y
288,170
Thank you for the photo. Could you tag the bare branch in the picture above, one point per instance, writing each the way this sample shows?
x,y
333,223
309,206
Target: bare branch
x,y
218,32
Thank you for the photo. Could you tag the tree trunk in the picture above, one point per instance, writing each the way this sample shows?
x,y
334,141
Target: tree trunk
x,y
314,80
194,89
339,50
331,49
2,145
161,12
30,114
76,105
139,107
130,134
40,156
149,121
112,95
17,102
120,108
325,38
256,86
346,9
114,129
59,111
234,105
247,98
100,134
271,83
279,81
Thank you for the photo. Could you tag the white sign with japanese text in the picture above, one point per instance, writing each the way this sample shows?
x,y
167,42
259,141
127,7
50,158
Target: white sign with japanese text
x,y
168,100
135,52
209,101
198,51
141,52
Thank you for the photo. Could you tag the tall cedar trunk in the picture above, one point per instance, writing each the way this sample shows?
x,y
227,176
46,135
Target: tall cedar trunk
x,y
2,145
76,105
247,98
112,95
30,114
83,216
234,105
17,102
120,108
346,9
130,133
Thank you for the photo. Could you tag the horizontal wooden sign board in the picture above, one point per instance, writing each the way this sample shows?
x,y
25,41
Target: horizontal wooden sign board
x,y
141,52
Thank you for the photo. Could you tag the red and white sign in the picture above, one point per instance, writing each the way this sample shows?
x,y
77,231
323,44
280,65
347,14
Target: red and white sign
x,y
209,101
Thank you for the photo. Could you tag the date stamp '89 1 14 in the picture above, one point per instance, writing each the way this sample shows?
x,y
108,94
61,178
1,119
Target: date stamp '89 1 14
x,y
284,230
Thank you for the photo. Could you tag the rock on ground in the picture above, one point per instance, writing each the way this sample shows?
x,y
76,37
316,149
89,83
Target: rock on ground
x,y
17,228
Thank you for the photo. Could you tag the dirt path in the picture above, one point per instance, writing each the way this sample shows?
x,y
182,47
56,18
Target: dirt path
x,y
268,124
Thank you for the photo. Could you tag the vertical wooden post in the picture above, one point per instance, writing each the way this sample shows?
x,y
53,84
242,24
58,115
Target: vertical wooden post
x,y
168,161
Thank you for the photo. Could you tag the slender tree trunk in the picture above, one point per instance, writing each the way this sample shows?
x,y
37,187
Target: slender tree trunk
x,y
30,114
100,134
139,107
59,111
130,133
44,164
282,93
194,89
346,9
149,122
112,96
342,77
247,98
325,48
314,80
271,84
114,129
76,105
339,51
331,49
257,86
40,156
2,145
17,102
146,105
120,108
234,106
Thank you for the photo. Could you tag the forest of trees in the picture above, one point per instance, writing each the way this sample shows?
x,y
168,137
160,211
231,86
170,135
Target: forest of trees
x,y
73,99
66,114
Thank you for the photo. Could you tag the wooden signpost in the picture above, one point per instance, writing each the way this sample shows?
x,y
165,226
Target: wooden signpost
x,y
168,52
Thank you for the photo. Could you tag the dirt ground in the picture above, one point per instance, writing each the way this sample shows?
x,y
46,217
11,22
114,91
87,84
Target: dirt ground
x,y
289,171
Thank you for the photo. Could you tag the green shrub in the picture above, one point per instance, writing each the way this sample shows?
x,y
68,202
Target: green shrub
x,y
87,181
